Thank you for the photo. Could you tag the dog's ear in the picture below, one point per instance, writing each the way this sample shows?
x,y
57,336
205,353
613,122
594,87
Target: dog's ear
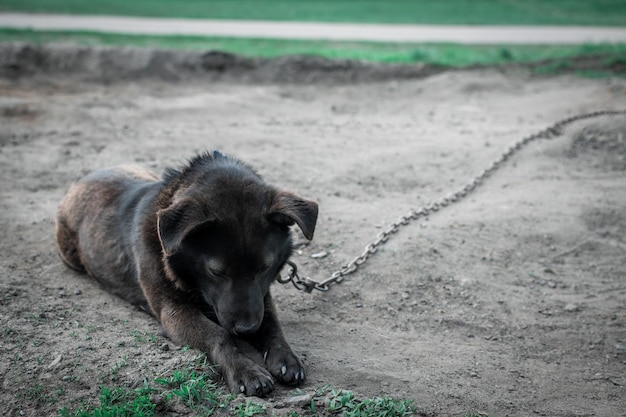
x,y
177,221
288,208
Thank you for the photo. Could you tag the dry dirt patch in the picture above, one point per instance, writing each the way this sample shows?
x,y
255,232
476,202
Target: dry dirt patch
x,y
510,302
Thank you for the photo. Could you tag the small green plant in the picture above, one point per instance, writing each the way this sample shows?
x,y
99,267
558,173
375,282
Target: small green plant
x,y
118,402
35,393
347,404
39,394
9,332
249,409
144,337
118,365
196,390
138,336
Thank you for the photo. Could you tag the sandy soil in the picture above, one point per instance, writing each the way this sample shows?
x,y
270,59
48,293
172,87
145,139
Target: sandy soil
x,y
510,303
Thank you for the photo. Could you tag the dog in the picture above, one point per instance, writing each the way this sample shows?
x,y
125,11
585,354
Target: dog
x,y
198,250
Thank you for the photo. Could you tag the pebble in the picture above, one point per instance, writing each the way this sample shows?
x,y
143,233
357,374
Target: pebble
x,y
55,362
319,255
77,291
571,307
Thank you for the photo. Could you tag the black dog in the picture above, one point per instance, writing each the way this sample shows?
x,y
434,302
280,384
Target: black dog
x,y
198,250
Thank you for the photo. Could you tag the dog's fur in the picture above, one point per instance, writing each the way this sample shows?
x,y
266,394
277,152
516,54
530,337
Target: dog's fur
x,y
198,250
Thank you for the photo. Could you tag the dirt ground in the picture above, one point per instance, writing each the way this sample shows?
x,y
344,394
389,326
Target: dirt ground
x,y
511,302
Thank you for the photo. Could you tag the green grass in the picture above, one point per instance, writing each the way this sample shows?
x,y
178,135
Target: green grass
x,y
437,54
249,408
345,403
39,394
118,402
194,389
191,390
529,12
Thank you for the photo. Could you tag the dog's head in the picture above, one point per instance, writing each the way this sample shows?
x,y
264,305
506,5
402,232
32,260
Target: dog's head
x,y
225,234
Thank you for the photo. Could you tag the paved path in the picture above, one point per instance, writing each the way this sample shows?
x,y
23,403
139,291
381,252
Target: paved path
x,y
321,31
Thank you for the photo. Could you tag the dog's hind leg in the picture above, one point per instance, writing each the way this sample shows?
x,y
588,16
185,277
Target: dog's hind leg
x,y
69,216
67,241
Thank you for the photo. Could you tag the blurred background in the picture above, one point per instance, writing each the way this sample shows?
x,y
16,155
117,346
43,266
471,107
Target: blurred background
x,y
535,16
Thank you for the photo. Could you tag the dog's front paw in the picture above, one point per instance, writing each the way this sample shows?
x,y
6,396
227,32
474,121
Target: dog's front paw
x,y
285,366
251,379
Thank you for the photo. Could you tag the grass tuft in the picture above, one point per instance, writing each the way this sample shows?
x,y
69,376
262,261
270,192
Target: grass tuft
x,y
191,390
118,402
249,408
347,404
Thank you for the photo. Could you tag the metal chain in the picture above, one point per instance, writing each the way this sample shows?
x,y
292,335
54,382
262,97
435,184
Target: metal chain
x,y
307,284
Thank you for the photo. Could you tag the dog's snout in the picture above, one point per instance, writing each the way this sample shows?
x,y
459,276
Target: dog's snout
x,y
245,329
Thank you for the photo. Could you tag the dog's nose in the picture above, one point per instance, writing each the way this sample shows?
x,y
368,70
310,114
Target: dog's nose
x,y
244,329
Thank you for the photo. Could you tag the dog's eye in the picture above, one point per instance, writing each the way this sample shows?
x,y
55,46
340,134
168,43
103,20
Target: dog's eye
x,y
216,273
215,268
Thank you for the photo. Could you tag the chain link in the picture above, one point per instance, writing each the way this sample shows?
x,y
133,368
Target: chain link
x,y
308,284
